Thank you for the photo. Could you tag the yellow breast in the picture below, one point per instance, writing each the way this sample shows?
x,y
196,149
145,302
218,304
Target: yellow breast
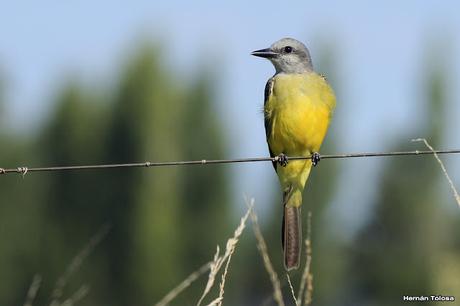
x,y
299,109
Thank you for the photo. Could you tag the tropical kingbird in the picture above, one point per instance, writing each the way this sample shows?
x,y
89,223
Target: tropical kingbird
x,y
297,109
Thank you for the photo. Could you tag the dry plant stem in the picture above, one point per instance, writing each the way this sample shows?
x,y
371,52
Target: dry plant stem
x,y
309,293
33,289
220,299
184,285
306,272
292,289
214,268
76,263
77,296
216,302
218,261
443,168
222,282
262,246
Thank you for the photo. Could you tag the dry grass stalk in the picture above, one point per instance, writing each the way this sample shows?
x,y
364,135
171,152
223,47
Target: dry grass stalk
x,y
262,246
292,289
222,282
214,268
218,261
33,290
216,301
443,168
76,297
184,285
307,277
309,293
76,263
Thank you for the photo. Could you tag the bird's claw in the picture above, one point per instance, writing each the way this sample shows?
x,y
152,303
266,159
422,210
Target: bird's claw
x,y
282,159
315,159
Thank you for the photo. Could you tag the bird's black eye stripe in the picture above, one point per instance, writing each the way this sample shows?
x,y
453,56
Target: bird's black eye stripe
x,y
288,49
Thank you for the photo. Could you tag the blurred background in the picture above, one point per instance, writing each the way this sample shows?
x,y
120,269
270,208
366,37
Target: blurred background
x,y
99,82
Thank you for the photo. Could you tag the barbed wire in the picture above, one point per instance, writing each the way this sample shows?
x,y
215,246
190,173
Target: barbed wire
x,y
23,170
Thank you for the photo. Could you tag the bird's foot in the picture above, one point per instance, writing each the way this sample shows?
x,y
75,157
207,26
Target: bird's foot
x,y
315,158
282,159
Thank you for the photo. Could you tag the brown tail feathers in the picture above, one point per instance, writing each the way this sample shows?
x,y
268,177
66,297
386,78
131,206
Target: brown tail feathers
x,y
291,230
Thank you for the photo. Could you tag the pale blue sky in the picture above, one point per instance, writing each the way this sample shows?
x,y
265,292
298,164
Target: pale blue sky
x,y
379,47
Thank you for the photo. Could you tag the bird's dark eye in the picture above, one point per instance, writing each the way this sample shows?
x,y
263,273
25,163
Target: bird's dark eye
x,y
288,49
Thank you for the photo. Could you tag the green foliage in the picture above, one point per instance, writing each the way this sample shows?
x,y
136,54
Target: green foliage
x,y
400,249
165,221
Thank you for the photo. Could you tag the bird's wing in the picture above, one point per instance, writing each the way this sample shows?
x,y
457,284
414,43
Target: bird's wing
x,y
267,120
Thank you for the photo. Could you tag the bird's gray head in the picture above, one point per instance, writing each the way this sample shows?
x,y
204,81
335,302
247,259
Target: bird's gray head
x,y
287,55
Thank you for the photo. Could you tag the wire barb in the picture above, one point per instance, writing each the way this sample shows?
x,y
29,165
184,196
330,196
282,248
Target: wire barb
x,y
25,170
22,170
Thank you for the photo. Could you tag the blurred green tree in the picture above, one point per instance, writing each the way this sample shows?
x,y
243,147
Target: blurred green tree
x,y
177,214
165,222
205,221
397,253
21,208
73,205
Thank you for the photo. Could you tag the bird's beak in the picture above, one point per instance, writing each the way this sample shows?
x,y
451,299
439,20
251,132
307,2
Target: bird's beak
x,y
265,53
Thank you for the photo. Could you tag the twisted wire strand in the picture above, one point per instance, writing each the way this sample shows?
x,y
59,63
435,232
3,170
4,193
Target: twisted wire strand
x,y
23,169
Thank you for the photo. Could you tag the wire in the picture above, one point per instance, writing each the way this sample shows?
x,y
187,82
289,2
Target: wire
x,y
23,170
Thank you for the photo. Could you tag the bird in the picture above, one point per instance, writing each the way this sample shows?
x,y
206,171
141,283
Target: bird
x,y
298,107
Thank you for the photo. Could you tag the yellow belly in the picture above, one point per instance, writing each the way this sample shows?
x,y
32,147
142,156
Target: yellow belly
x,y
298,128
299,109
